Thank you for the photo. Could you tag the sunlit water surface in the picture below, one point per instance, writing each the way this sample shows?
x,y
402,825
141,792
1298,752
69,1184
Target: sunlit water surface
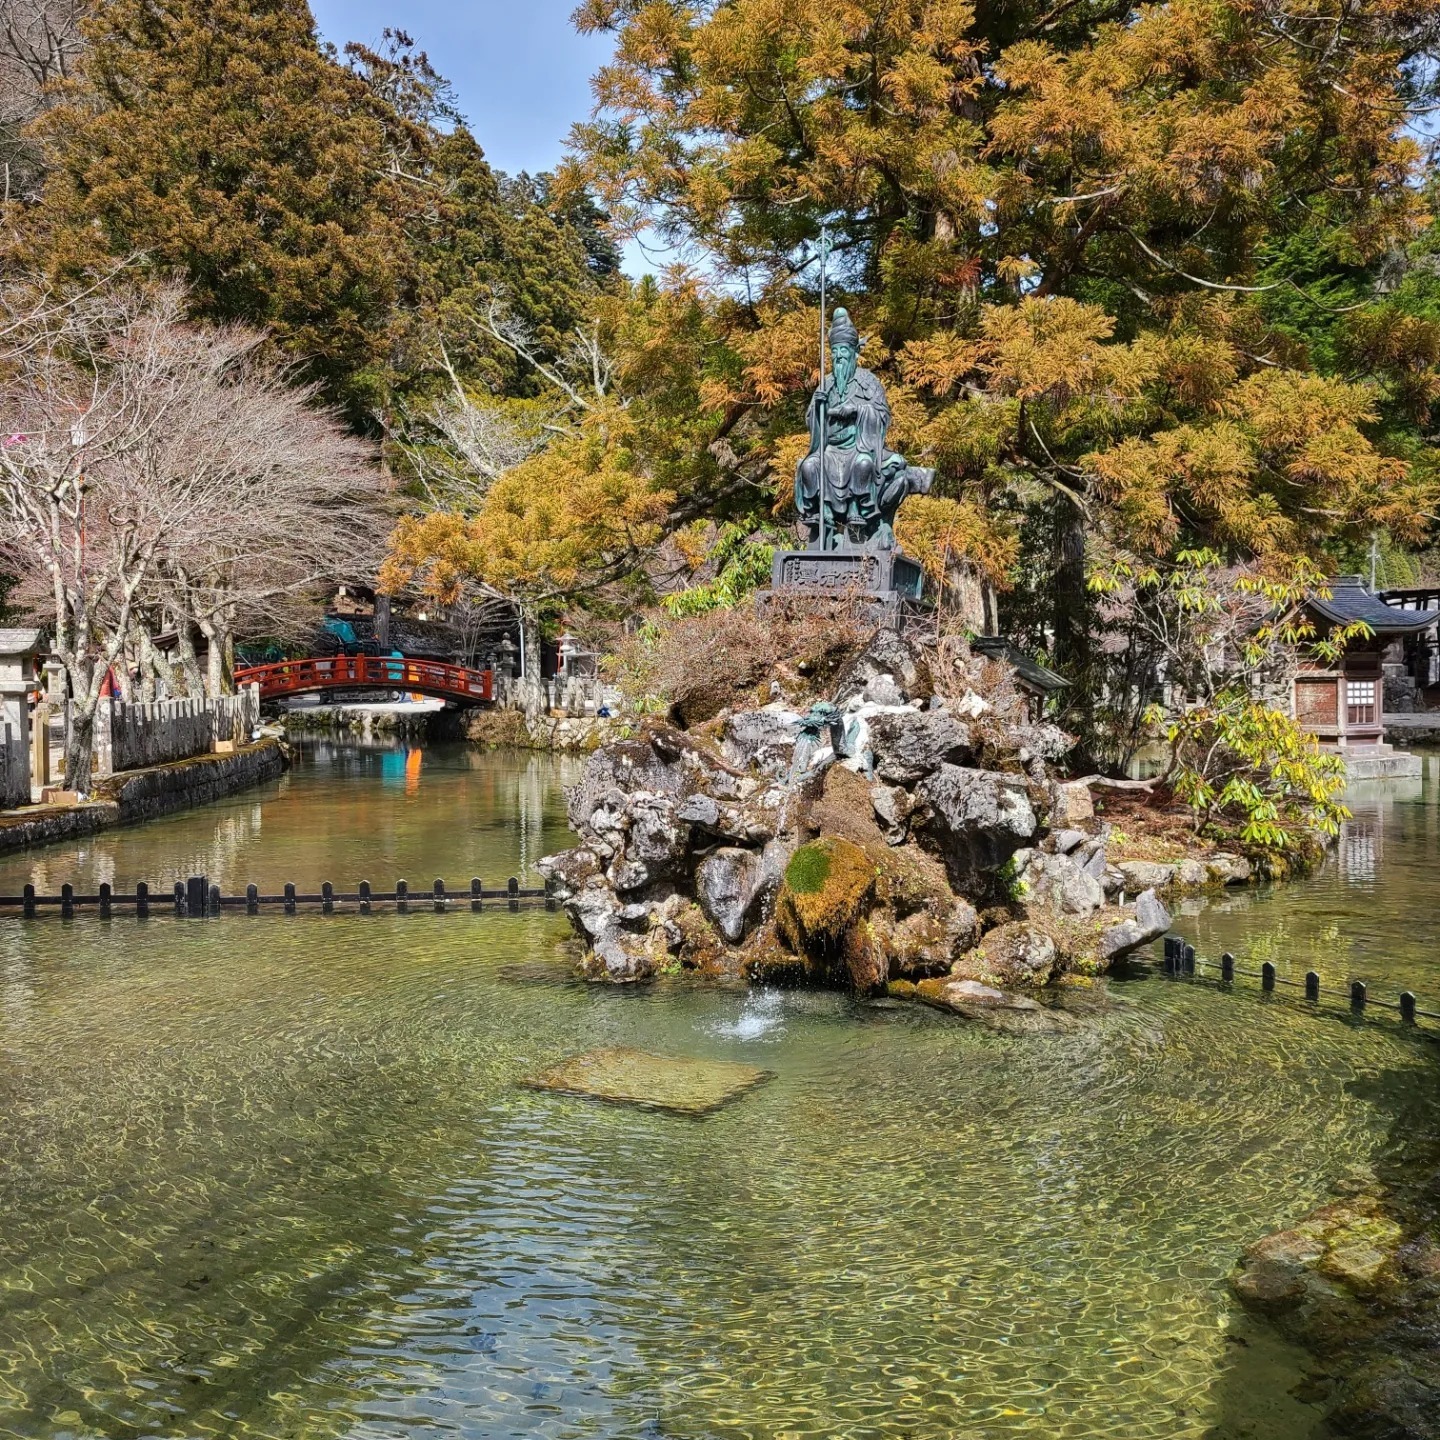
x,y
274,1176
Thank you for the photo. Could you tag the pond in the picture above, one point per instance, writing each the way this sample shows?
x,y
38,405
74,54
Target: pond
x,y
277,1177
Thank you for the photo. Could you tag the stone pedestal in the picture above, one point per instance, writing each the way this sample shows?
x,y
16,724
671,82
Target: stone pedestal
x,y
885,573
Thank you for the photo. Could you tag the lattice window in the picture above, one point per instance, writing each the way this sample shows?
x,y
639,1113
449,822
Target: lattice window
x,y
1359,702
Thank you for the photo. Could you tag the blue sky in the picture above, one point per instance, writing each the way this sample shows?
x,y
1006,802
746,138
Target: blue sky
x,y
521,71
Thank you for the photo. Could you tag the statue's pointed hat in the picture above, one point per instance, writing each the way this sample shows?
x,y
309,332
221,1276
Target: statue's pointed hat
x,y
843,331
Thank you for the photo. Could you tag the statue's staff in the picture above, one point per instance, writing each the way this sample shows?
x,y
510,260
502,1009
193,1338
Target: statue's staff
x,y
822,405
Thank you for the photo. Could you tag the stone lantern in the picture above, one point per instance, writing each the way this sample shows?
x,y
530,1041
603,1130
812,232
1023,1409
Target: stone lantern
x,y
507,658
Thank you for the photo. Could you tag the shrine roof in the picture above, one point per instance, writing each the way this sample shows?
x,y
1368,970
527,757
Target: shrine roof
x,y
1350,601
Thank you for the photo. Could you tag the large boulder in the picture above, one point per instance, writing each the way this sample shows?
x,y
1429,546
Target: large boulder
x,y
732,886
828,889
763,739
1138,875
1149,922
975,820
1015,955
1060,884
887,654
1071,805
909,744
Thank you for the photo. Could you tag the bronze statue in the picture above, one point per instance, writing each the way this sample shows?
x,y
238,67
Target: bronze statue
x,y
849,487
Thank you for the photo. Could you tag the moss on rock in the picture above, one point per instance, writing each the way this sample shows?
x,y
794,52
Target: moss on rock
x,y
828,889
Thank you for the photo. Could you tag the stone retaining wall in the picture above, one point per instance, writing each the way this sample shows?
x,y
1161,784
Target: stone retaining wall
x,y
145,794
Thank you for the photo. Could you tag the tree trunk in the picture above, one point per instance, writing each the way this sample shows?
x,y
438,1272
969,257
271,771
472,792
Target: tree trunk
x,y
532,691
1070,616
189,660
80,737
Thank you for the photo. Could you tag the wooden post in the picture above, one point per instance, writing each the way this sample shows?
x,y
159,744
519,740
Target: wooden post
x,y
213,907
1227,968
40,746
514,889
1312,985
105,893
179,894
197,897
252,899
439,896
1357,996
67,902
1267,977
142,900
364,897
1407,1006
289,897
1189,959
402,890
28,907
476,902
327,897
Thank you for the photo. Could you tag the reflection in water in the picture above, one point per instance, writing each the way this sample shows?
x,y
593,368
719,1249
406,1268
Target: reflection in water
x,y
269,1176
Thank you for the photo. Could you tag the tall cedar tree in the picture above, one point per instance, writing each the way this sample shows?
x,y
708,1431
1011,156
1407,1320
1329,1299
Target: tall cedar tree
x,y
1063,229
346,208
217,139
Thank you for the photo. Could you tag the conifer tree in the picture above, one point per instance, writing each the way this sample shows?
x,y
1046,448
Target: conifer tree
x,y
1077,237
216,139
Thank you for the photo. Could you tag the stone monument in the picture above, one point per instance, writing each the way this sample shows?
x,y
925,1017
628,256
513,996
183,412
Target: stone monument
x,y
848,487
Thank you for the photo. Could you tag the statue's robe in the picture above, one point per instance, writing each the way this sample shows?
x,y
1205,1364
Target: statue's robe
x,y
855,457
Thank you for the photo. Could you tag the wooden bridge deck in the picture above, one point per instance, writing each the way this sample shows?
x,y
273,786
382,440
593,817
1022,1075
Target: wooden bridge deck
x,y
370,672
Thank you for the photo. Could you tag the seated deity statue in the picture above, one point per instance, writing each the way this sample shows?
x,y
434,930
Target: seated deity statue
x,y
849,487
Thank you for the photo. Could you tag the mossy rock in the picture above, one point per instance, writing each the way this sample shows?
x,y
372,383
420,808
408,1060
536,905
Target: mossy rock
x,y
829,885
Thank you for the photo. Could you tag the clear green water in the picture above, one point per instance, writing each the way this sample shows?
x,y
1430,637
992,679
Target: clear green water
x,y
275,1177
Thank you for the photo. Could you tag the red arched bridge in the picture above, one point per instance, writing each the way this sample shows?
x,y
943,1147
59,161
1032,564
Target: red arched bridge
x,y
370,672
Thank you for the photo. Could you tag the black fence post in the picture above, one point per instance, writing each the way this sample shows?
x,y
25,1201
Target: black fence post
x,y
364,897
105,893
28,904
1357,996
142,900
197,893
289,897
1407,1007
67,902
1189,959
438,894
402,891
476,890
1227,968
252,899
513,889
1312,985
179,893
327,897
214,905
1267,977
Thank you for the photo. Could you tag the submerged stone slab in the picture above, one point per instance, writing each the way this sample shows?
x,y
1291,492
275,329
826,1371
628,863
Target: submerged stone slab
x,y
624,1076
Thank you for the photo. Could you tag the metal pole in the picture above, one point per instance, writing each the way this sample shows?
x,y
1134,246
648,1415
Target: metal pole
x,y
821,408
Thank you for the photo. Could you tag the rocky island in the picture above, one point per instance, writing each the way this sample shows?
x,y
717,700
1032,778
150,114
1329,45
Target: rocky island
x,y
898,836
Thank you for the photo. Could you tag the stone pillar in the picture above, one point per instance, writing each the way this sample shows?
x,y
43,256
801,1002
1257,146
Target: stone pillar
x,y
18,649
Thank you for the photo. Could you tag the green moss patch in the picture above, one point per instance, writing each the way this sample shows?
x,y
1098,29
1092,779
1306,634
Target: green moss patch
x,y
808,870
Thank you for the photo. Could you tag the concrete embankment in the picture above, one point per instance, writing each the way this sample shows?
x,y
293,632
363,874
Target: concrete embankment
x,y
138,795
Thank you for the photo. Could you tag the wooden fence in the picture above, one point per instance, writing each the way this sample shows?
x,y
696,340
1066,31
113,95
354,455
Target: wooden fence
x,y
132,736
197,898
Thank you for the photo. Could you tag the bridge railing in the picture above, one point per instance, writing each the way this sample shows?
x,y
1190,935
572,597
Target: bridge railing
x,y
370,672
